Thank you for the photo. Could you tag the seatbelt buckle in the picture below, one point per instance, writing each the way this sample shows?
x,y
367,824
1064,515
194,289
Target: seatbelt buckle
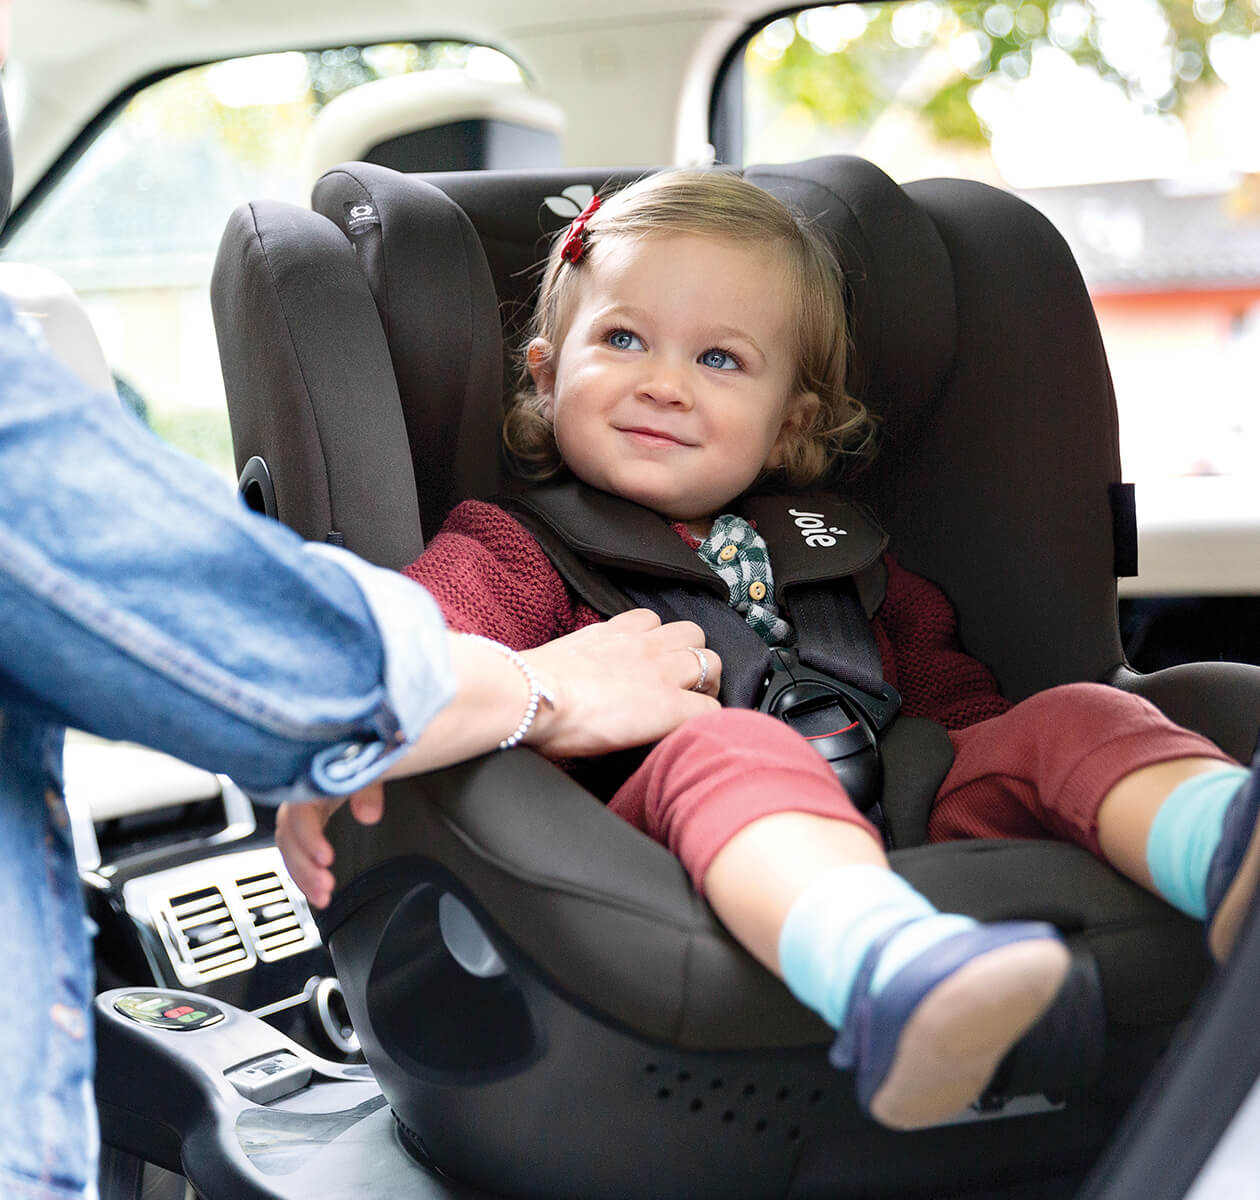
x,y
842,722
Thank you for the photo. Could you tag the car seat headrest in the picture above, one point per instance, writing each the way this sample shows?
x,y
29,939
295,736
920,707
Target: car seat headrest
x,y
902,316
49,305
436,302
436,121
903,320
516,217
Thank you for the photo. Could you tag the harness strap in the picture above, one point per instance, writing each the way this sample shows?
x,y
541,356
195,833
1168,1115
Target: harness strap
x,y
838,700
834,636
746,659
830,579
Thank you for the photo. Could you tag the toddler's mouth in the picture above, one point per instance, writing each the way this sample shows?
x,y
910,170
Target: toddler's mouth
x,y
654,436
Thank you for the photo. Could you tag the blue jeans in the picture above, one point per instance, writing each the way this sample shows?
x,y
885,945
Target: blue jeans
x,y
140,600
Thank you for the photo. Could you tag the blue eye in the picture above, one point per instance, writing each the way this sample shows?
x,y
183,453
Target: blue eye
x,y
719,360
623,339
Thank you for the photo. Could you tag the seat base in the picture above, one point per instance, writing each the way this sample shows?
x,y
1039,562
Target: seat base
x,y
166,1096
163,1097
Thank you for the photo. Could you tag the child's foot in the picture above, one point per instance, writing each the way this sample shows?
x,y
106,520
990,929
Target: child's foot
x,y
926,1045
1234,872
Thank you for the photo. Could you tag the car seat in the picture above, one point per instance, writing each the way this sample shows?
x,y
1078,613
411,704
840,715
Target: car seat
x,y
612,1040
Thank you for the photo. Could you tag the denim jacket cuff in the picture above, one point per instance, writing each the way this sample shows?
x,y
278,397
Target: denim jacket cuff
x,y
418,677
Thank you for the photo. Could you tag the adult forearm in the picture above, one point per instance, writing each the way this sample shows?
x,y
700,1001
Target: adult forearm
x,y
620,683
140,600
488,702
624,682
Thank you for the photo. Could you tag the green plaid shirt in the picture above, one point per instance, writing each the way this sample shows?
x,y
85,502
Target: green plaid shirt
x,y
738,555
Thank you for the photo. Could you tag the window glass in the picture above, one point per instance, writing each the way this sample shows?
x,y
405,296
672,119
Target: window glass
x,y
135,223
1131,123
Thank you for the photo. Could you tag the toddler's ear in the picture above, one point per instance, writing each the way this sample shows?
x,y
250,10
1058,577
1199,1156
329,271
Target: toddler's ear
x,y
540,361
801,411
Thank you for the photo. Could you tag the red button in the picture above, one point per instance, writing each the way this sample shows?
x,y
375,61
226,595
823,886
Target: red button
x,y
183,1010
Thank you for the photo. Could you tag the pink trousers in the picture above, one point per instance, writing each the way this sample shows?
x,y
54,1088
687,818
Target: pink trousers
x,y
1041,769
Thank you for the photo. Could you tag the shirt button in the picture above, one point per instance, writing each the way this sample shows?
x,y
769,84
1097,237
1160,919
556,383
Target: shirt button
x,y
727,552
757,590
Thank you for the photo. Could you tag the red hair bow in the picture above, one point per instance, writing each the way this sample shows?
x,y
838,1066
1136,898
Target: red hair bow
x,y
575,239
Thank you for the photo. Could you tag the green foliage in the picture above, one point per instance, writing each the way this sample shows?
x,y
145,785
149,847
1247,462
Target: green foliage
x,y
951,116
839,89
848,82
203,433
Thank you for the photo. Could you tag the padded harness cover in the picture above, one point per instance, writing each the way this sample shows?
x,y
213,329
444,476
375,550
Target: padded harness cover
x,y
619,555
812,539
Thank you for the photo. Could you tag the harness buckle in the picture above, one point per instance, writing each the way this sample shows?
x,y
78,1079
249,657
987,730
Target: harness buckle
x,y
842,722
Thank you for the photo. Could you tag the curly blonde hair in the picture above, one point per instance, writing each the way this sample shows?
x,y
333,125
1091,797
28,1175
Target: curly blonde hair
x,y
722,204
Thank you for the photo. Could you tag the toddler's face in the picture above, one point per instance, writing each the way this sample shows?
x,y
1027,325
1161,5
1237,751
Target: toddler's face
x,y
672,384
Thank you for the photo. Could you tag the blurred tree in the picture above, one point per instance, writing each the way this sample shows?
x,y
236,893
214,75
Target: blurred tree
x,y
843,64
260,107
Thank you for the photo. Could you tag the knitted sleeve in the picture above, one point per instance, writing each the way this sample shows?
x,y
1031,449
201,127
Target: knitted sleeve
x,y
917,633
489,576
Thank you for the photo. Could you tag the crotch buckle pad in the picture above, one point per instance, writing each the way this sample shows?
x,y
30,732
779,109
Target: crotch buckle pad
x,y
842,722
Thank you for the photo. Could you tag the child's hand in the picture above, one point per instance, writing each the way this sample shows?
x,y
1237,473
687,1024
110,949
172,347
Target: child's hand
x,y
307,853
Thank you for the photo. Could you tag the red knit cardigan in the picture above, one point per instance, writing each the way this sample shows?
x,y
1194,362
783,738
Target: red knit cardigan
x,y
490,576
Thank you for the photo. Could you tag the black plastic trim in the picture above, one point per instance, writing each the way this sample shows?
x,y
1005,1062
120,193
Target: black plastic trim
x,y
1124,528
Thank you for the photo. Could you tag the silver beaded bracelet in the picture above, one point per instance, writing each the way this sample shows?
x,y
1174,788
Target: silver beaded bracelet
x,y
537,692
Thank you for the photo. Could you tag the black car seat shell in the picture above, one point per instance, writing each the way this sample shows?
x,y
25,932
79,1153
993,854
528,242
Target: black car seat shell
x,y
631,1047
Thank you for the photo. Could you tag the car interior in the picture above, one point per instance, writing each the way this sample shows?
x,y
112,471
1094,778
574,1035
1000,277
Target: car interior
x,y
514,994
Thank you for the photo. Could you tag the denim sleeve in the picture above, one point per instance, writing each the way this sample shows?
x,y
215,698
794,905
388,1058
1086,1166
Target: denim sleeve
x,y
140,600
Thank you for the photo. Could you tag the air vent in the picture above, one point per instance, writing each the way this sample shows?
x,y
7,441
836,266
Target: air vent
x,y
276,928
203,935
223,914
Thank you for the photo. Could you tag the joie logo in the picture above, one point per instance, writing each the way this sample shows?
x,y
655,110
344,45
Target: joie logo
x,y
816,532
360,216
571,201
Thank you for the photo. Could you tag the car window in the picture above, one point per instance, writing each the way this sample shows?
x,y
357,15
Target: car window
x,y
135,222
1129,122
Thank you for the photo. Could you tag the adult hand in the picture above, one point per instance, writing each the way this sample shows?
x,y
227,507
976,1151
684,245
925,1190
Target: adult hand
x,y
307,853
624,682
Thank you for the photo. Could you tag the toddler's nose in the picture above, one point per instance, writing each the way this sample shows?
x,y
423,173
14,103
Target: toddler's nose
x,y
663,385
